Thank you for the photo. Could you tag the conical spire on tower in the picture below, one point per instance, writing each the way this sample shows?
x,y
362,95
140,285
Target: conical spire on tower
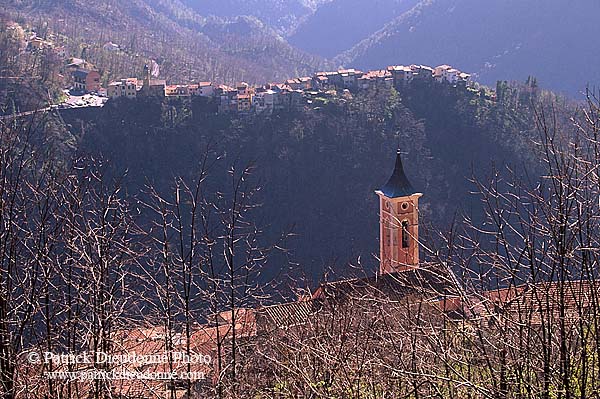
x,y
398,184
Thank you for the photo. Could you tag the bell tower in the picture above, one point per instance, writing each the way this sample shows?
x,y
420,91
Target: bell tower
x,y
146,86
398,223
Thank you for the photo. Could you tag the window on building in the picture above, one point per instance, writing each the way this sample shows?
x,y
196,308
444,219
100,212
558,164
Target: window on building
x,y
405,236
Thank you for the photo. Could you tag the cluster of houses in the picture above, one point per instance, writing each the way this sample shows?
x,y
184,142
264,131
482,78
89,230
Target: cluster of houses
x,y
292,93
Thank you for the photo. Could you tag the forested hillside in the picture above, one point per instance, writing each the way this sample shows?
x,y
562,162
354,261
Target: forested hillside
x,y
319,167
281,15
185,44
28,80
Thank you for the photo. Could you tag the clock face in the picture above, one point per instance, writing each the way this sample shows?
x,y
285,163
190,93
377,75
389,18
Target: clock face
x,y
404,206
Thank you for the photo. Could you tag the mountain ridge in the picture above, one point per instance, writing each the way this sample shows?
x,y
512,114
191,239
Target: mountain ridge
x,y
341,34
436,32
281,15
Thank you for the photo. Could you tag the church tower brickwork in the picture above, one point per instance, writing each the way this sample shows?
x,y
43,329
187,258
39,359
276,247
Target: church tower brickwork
x,y
398,223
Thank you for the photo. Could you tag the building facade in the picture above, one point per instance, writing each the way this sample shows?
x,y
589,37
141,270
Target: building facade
x,y
86,81
125,88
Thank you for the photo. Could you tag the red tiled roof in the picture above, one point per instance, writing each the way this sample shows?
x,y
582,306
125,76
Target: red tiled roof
x,y
542,299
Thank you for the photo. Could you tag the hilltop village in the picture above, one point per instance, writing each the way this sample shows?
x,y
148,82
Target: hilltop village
x,y
291,94
86,85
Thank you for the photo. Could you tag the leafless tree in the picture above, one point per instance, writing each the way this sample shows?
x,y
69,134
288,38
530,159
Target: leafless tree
x,y
210,256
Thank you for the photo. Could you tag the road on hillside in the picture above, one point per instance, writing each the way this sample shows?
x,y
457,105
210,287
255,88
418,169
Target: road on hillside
x,y
21,114
73,101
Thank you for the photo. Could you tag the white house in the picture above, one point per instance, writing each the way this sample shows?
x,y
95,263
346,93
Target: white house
x,y
264,102
205,89
401,74
422,71
445,73
349,77
124,88
465,77
453,74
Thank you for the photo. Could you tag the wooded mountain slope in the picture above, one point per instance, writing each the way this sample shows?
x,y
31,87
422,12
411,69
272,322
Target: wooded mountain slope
x,y
282,15
186,45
